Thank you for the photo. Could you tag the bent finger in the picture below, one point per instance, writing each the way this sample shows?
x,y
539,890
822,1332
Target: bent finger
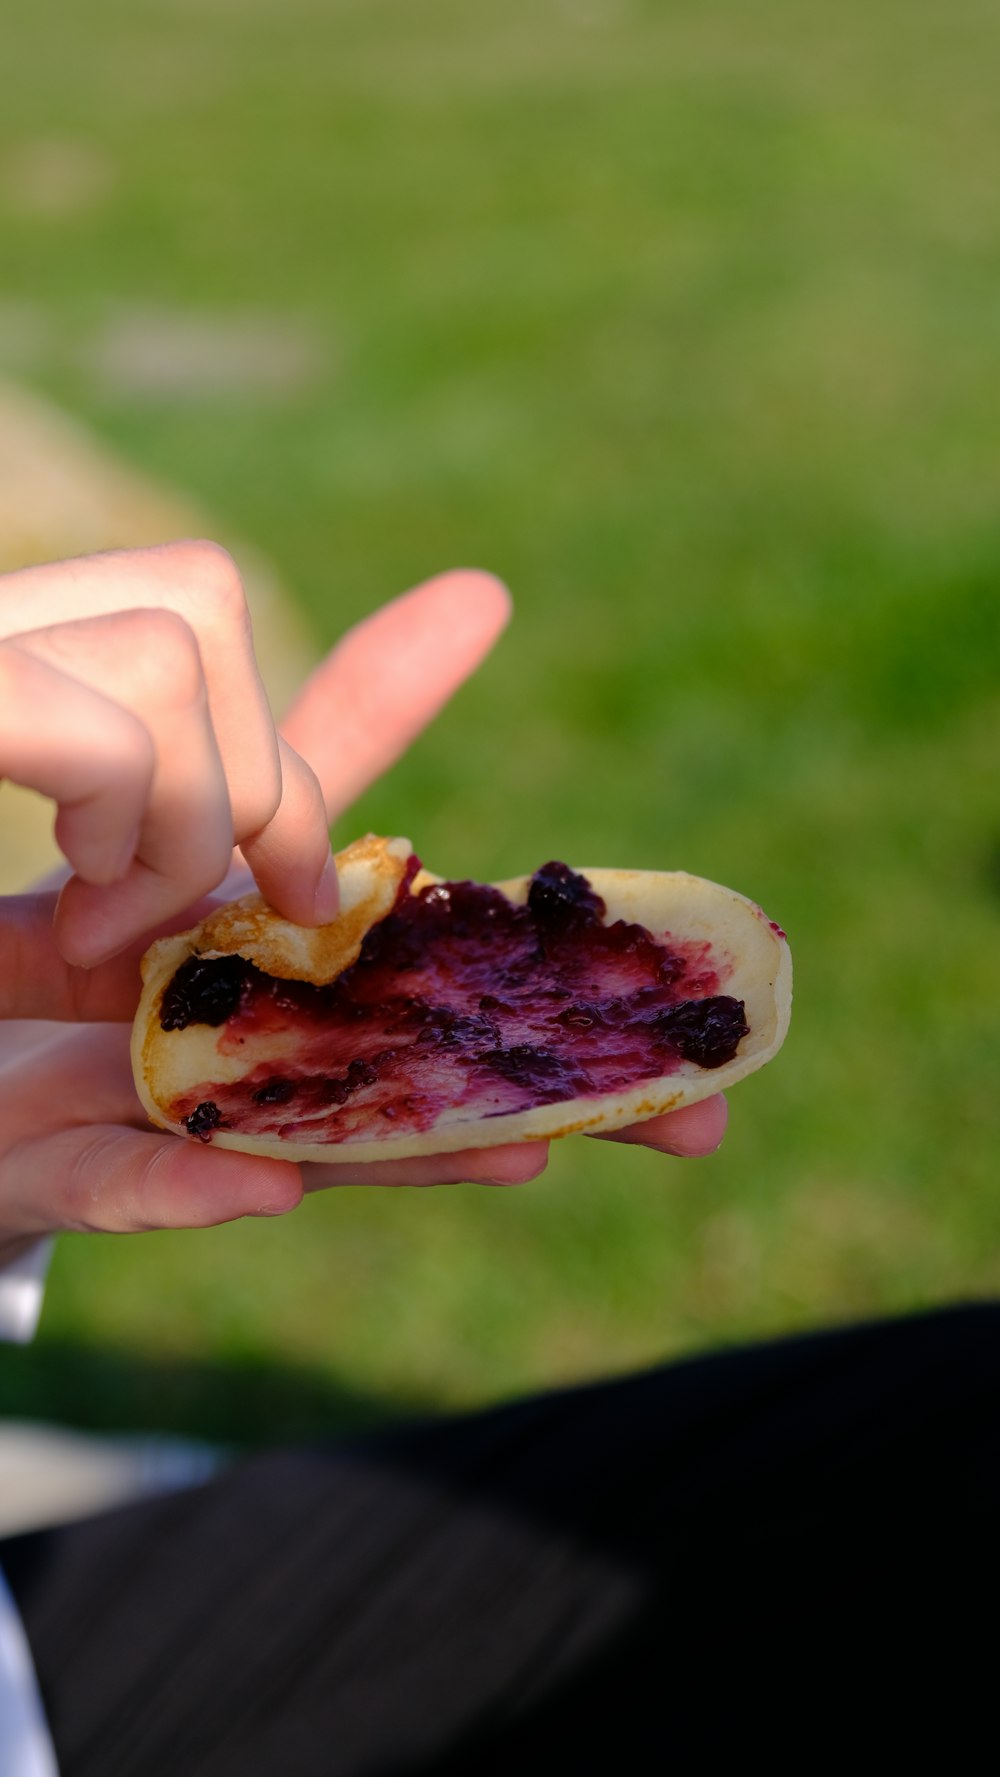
x,y
690,1133
291,858
510,1165
95,759
104,1179
149,662
199,583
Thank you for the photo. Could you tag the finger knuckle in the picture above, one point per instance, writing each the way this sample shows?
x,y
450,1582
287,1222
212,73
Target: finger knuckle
x,y
96,1197
260,804
212,579
214,861
11,666
152,1183
125,747
293,788
197,866
18,672
301,780
168,657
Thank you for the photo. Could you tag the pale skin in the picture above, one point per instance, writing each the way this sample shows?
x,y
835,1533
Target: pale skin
x,y
130,696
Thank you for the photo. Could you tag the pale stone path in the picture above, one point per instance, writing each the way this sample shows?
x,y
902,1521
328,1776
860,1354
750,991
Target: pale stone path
x,y
63,492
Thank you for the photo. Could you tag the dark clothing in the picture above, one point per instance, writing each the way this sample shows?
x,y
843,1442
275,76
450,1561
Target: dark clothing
x,y
774,1553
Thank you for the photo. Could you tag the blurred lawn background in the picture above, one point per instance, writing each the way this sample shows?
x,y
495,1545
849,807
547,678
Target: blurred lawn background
x,y
685,319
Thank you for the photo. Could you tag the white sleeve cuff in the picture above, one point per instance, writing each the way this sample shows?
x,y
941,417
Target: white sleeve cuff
x,y
22,1286
26,1748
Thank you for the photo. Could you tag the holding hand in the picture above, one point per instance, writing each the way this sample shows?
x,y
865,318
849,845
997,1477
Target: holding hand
x,y
132,698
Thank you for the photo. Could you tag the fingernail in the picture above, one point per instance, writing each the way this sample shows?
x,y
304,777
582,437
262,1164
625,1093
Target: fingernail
x,y
326,904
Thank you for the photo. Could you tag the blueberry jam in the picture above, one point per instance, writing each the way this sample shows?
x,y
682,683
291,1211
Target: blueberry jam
x,y
203,1119
203,991
458,1001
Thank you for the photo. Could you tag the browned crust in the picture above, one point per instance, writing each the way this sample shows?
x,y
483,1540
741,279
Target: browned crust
x,y
668,903
370,872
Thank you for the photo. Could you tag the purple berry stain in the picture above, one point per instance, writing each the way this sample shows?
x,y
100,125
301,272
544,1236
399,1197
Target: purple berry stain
x,y
707,1031
203,1119
463,1000
275,1091
205,990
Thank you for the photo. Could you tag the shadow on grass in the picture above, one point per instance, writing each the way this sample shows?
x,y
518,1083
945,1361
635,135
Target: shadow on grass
x,y
96,1388
624,1576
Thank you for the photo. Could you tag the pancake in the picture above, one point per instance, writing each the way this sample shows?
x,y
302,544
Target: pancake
x,y
432,1016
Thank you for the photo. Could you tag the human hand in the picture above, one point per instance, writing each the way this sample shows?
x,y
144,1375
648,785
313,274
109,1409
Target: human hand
x,y
75,1147
130,695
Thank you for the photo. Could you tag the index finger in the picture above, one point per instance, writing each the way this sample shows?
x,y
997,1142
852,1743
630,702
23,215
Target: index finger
x,y
690,1133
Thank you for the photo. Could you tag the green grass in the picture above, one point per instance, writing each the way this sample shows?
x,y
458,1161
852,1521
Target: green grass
x,y
684,320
